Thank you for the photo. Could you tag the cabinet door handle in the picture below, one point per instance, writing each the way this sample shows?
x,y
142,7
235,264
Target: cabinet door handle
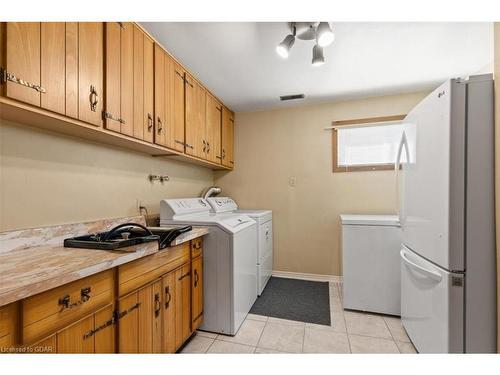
x,y
160,125
157,304
196,278
223,154
6,76
204,146
169,296
208,147
150,122
93,98
187,274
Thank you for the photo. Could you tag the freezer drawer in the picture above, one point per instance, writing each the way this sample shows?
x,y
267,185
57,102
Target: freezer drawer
x,y
432,305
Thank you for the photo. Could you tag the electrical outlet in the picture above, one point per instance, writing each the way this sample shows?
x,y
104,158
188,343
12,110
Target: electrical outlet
x,y
292,181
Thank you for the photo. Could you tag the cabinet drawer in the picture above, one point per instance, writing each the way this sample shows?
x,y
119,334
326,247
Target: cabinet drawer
x,y
142,271
49,311
196,247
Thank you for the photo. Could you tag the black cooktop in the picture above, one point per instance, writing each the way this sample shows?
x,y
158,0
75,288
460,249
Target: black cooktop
x,y
125,235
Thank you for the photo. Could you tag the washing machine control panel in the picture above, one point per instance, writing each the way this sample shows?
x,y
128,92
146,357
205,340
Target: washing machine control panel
x,y
222,204
175,207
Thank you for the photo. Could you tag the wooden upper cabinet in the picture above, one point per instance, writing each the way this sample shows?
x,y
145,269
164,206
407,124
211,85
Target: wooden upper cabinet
x,y
90,72
169,101
195,118
227,138
148,89
213,129
53,66
119,112
22,64
159,98
178,106
71,70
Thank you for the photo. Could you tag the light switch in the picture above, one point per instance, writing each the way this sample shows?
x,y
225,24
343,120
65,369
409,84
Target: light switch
x,y
292,181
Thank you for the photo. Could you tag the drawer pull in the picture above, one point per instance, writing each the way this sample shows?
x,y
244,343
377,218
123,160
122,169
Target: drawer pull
x,y
169,296
196,278
187,274
66,303
6,76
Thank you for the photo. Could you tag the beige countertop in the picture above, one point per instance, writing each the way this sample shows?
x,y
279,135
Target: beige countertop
x,y
28,270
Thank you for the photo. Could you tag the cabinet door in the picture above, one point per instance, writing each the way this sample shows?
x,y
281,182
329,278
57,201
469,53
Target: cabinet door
x,y
213,129
127,78
74,339
178,106
113,76
71,77
104,337
139,325
227,138
183,304
195,119
159,78
197,292
148,119
128,327
23,61
53,66
138,83
168,97
90,72
169,307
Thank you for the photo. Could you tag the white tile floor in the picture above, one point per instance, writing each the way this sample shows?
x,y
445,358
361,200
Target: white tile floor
x,y
350,332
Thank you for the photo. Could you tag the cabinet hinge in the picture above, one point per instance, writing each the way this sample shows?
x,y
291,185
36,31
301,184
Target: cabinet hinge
x,y
101,327
6,76
187,274
109,116
119,315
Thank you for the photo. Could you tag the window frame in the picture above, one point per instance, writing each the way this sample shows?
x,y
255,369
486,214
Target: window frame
x,y
360,168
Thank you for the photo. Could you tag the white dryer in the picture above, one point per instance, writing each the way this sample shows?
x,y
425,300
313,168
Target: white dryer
x,y
264,219
229,253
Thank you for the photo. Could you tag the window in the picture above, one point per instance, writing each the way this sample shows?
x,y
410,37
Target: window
x,y
366,144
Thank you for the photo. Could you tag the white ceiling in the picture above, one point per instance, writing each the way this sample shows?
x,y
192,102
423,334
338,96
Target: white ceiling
x,y
239,64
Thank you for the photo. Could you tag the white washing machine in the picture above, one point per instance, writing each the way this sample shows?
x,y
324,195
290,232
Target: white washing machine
x,y
264,219
370,263
229,252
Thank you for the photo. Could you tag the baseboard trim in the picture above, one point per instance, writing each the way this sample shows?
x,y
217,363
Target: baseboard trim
x,y
307,276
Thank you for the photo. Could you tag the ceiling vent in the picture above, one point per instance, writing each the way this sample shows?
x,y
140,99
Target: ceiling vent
x,y
292,97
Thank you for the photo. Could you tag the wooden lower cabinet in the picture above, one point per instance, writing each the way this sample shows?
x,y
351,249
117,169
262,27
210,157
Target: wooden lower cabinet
x,y
156,316
196,292
93,334
139,320
183,304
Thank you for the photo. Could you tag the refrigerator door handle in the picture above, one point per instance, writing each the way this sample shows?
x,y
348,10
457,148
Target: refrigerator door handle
x,y
431,274
397,166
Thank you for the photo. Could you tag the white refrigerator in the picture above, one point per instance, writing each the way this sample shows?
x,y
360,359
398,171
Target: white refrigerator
x,y
446,209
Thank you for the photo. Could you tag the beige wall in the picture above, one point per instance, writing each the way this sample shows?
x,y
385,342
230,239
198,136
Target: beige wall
x,y
48,179
272,146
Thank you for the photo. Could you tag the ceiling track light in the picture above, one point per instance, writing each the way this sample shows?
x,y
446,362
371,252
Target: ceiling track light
x,y
320,32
